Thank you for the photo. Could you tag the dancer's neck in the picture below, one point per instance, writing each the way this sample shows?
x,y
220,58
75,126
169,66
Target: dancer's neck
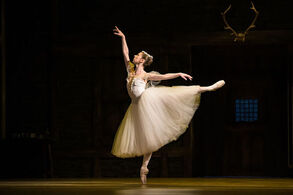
x,y
139,69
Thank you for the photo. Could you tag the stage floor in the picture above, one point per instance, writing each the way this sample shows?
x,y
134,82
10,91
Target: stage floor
x,y
155,186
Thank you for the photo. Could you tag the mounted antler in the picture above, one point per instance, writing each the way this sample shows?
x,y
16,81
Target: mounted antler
x,y
228,27
239,36
252,24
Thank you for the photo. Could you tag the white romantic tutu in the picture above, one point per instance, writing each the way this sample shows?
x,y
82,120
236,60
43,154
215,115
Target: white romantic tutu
x,y
160,115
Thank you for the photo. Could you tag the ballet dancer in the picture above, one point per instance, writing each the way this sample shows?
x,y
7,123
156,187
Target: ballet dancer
x,y
157,115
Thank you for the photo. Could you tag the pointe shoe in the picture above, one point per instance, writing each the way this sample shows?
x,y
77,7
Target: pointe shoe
x,y
217,85
143,172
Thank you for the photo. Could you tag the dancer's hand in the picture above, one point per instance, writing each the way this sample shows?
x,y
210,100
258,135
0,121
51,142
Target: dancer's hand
x,y
185,76
118,32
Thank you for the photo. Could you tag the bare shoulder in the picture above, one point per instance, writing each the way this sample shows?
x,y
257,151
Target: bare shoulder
x,y
148,75
153,75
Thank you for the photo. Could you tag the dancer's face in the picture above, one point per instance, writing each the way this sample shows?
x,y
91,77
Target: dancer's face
x,y
138,58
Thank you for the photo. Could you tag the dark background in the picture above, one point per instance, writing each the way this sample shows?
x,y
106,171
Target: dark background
x,y
66,89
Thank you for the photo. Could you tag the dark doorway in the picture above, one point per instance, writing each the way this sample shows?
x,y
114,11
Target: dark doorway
x,y
229,146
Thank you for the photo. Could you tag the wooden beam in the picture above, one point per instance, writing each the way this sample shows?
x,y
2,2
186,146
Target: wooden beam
x,y
52,78
290,107
3,72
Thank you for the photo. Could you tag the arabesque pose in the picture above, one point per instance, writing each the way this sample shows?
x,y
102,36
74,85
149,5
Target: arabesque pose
x,y
157,115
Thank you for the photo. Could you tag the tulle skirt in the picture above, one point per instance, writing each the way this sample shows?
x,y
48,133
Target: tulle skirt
x,y
160,115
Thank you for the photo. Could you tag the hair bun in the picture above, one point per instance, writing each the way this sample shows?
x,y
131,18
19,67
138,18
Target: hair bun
x,y
148,58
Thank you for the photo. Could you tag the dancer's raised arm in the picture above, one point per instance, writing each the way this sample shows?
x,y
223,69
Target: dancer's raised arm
x,y
124,45
159,77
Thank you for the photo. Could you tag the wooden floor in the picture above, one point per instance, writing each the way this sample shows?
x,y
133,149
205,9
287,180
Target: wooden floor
x,y
155,186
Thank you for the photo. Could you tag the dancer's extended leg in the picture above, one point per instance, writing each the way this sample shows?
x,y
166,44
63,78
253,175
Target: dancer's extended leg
x,y
213,87
144,170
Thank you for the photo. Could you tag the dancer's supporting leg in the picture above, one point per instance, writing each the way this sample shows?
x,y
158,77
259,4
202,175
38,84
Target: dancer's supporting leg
x,y
213,87
144,170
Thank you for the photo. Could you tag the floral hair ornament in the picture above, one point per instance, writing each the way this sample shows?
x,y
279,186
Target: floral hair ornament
x,y
148,55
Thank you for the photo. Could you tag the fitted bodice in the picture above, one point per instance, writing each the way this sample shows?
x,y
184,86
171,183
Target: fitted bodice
x,y
135,87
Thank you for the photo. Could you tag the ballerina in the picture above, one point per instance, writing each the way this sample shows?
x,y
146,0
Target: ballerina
x,y
157,115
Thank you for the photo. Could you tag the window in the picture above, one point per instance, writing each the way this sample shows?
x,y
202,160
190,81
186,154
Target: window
x,y
246,110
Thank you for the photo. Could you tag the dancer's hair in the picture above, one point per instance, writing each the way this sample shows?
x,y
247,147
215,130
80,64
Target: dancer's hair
x,y
148,58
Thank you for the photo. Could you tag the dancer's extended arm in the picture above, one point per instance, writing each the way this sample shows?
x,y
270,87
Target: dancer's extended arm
x,y
159,77
124,45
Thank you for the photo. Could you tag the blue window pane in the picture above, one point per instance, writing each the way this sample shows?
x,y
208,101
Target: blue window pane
x,y
246,110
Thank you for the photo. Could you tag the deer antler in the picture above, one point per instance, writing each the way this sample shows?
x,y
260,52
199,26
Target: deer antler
x,y
239,36
228,27
252,24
